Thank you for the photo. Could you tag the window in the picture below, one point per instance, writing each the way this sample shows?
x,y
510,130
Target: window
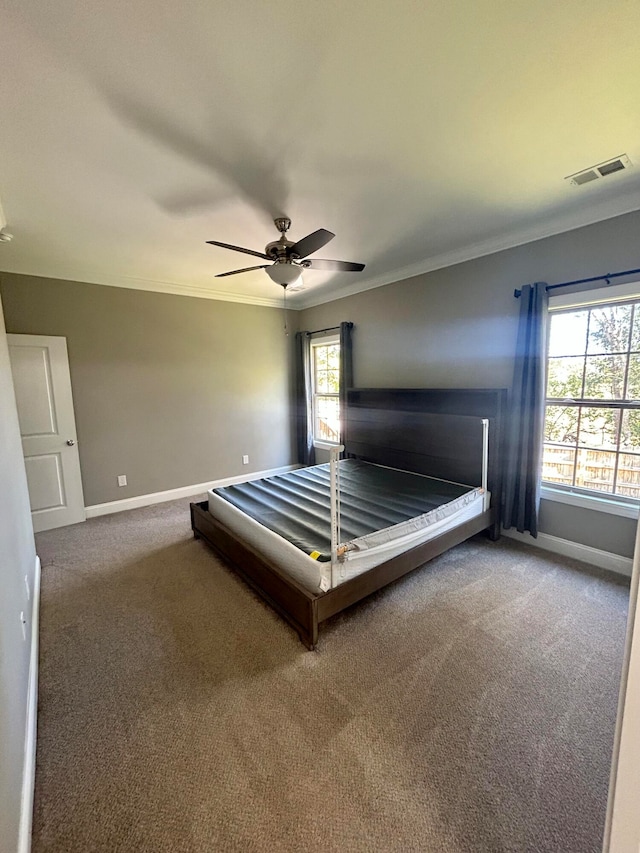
x,y
592,418
325,371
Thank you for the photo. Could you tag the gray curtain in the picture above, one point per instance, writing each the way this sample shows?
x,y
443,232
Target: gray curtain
x,y
304,413
346,375
526,413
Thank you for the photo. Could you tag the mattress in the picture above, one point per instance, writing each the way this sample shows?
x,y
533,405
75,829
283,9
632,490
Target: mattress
x,y
384,512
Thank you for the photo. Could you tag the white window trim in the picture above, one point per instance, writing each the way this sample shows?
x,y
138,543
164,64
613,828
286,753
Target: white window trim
x,y
320,340
555,492
612,504
324,445
586,298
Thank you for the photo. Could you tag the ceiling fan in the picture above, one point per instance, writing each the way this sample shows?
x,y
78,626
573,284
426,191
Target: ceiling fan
x,y
289,259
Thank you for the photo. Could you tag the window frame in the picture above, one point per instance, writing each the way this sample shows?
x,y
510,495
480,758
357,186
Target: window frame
x,y
317,342
593,499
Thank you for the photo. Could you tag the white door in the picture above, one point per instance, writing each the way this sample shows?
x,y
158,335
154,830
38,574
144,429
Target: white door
x,y
40,368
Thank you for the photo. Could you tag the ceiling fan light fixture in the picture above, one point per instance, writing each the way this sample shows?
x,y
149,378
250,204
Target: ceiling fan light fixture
x,y
284,273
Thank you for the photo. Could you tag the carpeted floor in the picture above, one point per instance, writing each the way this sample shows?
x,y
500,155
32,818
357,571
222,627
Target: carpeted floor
x,y
469,708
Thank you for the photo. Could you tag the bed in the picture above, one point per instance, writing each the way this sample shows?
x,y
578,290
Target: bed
x,y
422,473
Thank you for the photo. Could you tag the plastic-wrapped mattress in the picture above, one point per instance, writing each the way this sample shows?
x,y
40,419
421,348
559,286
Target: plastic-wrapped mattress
x,y
383,512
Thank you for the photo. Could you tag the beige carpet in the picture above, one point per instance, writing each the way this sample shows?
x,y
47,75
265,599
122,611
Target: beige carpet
x,y
468,708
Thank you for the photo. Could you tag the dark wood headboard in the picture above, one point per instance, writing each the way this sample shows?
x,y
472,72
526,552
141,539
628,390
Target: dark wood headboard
x,y
433,431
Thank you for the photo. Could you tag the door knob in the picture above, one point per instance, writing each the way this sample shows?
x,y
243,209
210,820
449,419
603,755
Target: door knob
x,y
70,442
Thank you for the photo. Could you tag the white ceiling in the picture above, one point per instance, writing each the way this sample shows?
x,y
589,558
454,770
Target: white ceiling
x,y
420,133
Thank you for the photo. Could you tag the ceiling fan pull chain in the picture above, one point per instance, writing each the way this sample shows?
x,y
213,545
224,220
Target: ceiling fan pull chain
x,y
284,309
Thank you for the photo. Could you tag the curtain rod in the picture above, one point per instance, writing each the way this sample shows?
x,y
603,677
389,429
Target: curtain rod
x,y
329,329
518,293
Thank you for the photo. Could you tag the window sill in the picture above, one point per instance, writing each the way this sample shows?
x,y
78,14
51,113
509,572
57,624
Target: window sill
x,y
610,505
325,445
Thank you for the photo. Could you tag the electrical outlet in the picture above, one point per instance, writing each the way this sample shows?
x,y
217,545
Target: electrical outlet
x,y
26,583
23,624
122,479
245,460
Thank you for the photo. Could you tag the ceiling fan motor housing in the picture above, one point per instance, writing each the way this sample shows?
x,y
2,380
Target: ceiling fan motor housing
x,y
279,249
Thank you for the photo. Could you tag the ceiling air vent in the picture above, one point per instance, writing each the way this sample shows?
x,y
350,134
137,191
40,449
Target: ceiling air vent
x,y
593,173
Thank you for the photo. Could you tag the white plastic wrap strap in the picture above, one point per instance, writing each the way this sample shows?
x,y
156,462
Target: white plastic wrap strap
x,y
485,461
334,488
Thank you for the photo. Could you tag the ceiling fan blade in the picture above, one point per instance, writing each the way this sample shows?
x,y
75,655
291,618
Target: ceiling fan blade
x,y
345,266
239,249
246,269
311,243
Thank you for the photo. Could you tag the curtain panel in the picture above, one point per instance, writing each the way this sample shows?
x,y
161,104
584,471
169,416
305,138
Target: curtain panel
x,y
303,400
525,432
346,375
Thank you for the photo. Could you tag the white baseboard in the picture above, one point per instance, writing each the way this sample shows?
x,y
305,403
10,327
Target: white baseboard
x,y
594,556
29,771
182,492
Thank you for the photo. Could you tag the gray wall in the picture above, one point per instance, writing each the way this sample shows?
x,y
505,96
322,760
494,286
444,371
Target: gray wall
x,y
17,560
169,390
456,327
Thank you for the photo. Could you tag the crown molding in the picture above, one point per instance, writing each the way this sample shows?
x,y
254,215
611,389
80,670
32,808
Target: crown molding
x,y
561,225
156,286
301,301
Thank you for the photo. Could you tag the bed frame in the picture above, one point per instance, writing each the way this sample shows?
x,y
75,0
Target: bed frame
x,y
411,429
